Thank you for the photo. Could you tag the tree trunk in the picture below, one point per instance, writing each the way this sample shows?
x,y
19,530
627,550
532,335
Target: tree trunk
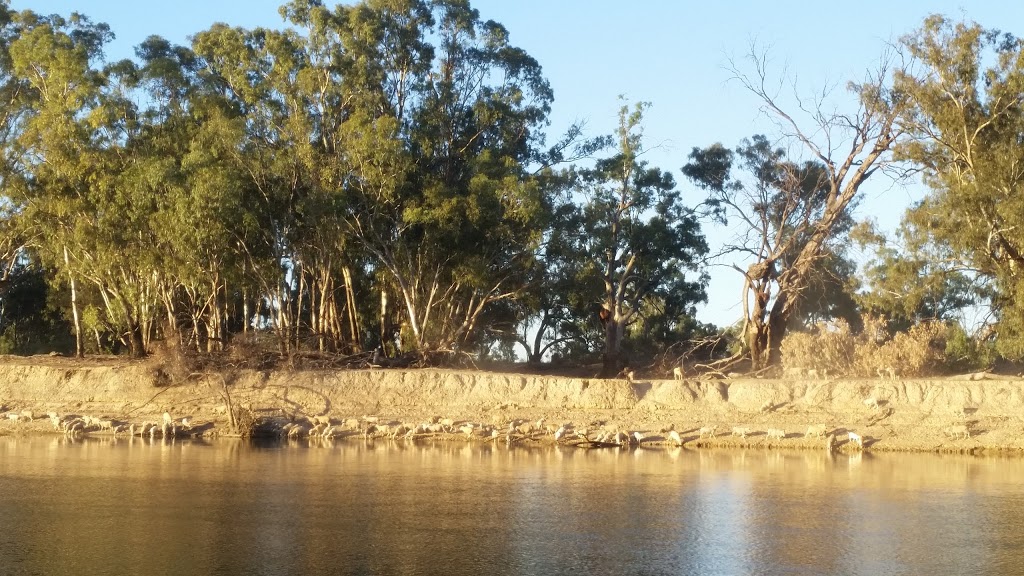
x,y
778,321
384,319
776,332
298,306
353,313
612,357
283,317
755,342
220,310
318,300
136,344
79,344
245,310
759,286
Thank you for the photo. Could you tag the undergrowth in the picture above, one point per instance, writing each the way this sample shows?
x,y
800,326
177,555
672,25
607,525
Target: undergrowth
x,y
871,352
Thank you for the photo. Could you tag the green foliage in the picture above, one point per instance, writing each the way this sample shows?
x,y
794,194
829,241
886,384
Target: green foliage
x,y
377,174
640,243
788,228
28,325
965,353
830,294
963,91
908,283
276,178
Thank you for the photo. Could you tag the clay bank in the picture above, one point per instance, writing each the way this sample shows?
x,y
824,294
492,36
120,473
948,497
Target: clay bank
x,y
972,413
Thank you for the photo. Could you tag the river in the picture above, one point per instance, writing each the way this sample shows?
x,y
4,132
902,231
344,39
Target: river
x,y
106,507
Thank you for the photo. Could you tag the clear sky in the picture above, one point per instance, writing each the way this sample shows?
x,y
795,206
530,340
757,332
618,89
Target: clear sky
x,y
671,53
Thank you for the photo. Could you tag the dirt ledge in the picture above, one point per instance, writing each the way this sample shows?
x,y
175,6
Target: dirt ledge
x,y
911,415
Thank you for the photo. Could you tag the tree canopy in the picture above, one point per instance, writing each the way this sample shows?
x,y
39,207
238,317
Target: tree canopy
x,y
379,176
373,175
965,84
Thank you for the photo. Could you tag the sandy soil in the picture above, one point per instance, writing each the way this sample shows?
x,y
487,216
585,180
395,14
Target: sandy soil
x,y
892,415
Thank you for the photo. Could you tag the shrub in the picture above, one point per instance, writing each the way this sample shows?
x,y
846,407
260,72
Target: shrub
x,y
827,346
967,354
872,352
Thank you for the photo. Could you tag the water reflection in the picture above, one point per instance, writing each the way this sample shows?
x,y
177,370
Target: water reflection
x,y
229,507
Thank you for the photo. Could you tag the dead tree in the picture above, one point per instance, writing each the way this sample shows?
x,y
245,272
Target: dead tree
x,y
789,211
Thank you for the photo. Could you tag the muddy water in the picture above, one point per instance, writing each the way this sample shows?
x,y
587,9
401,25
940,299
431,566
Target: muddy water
x,y
135,507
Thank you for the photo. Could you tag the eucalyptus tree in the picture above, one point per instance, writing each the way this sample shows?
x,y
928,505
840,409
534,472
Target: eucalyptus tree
x,y
965,85
640,238
311,114
442,117
60,164
912,279
361,61
100,170
255,73
15,106
789,215
183,163
777,203
475,213
29,322
562,317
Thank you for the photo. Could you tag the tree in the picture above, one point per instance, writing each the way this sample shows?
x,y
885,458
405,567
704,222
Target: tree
x,y
16,106
433,158
28,323
59,162
639,238
911,281
776,205
555,312
792,212
964,87
831,291
183,164
263,126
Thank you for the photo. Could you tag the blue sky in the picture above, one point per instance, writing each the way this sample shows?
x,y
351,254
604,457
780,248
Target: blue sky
x,y
669,53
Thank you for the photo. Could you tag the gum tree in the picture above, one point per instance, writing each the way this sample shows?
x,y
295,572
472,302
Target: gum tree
x,y
789,212
965,85
641,241
445,117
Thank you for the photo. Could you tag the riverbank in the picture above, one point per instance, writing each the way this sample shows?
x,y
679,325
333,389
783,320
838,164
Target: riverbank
x,y
891,415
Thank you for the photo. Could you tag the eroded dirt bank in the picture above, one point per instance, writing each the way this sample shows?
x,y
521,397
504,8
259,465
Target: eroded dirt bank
x,y
910,414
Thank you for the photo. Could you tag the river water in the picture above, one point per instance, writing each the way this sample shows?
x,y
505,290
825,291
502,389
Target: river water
x,y
99,507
